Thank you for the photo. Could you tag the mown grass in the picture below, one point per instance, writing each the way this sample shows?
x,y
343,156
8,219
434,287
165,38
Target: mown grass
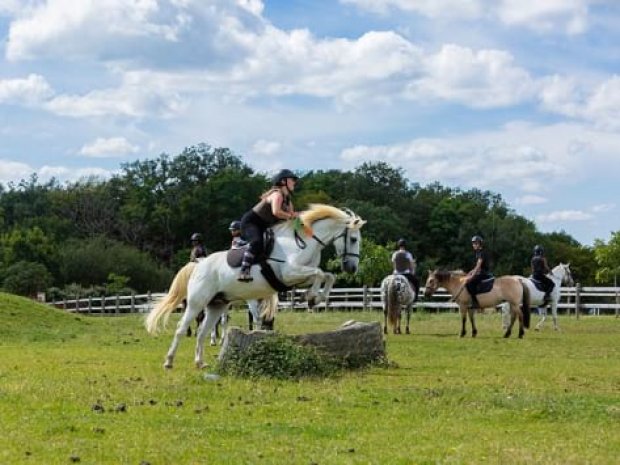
x,y
93,390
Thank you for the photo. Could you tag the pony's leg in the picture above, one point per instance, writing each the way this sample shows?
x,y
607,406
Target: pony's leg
x,y
186,320
329,280
543,317
463,312
472,320
254,313
213,314
408,310
397,327
513,317
554,313
505,315
215,333
519,313
385,317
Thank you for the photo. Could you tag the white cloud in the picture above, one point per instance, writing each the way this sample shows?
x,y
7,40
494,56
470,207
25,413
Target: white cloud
x,y
549,16
12,171
532,200
530,159
483,78
110,147
603,208
265,148
564,215
430,8
30,90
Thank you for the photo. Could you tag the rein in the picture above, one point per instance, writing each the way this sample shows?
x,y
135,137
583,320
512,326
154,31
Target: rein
x,y
301,243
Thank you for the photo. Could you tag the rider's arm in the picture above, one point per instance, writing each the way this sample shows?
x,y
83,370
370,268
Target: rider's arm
x,y
476,269
276,200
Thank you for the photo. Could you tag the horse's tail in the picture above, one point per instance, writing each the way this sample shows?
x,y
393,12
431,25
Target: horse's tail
x,y
393,304
526,305
269,307
166,305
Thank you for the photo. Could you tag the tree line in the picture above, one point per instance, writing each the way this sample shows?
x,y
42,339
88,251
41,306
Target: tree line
x,y
131,231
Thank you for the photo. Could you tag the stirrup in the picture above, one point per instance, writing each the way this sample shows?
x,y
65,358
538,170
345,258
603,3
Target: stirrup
x,y
245,276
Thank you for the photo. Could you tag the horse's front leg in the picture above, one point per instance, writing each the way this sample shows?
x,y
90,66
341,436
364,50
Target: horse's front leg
x,y
463,312
543,317
213,314
554,314
472,320
301,274
329,280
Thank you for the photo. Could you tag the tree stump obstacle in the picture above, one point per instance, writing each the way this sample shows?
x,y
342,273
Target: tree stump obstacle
x,y
356,342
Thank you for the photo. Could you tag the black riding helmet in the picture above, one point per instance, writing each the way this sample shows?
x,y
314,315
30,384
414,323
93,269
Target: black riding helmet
x,y
401,243
196,237
538,250
235,225
278,179
477,238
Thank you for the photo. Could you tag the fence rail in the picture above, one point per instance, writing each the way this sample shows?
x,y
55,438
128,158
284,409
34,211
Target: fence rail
x,y
577,300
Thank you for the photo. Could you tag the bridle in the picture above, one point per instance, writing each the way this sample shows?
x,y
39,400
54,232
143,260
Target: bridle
x,y
301,243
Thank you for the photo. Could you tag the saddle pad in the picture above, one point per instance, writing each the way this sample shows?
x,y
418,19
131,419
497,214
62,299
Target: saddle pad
x,y
485,285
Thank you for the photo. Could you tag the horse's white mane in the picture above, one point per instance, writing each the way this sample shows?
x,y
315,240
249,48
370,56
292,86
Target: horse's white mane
x,y
319,211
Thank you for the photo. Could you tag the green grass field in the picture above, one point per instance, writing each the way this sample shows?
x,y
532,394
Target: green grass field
x,y
92,390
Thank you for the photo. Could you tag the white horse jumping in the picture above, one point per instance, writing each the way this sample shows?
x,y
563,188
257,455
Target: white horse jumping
x,y
561,276
396,294
295,261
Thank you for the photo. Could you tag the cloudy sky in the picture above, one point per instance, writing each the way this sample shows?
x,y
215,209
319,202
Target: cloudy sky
x,y
520,97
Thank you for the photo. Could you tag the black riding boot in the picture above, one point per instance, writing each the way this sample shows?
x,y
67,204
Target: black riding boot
x,y
245,274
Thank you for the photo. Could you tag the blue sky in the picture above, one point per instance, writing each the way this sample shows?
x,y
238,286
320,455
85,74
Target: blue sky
x,y
520,97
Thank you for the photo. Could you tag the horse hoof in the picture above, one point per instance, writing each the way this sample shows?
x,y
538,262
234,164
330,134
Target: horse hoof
x,y
507,335
168,366
201,365
407,331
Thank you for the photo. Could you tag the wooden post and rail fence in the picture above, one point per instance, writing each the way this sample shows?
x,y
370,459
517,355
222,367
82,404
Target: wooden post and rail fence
x,y
575,301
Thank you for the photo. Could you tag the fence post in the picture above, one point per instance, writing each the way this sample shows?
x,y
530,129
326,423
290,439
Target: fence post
x,y
365,297
133,301
77,303
577,299
116,306
617,296
90,304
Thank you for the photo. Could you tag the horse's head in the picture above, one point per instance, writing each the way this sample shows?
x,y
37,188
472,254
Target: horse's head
x,y
437,279
340,227
566,278
349,243
432,283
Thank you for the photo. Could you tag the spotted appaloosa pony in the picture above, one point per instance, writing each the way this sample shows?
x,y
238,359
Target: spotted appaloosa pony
x,y
396,294
505,289
295,261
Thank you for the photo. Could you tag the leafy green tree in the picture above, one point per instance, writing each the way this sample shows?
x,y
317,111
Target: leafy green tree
x,y
608,258
26,278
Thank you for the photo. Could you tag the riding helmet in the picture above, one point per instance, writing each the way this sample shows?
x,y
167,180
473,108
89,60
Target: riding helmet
x,y
401,243
278,179
235,225
196,237
538,250
477,238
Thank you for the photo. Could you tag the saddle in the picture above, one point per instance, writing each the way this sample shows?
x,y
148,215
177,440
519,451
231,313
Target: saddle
x,y
485,285
540,285
234,257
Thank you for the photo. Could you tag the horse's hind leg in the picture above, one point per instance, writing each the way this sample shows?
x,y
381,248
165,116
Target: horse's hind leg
x,y
518,311
554,315
213,314
186,320
408,310
513,317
